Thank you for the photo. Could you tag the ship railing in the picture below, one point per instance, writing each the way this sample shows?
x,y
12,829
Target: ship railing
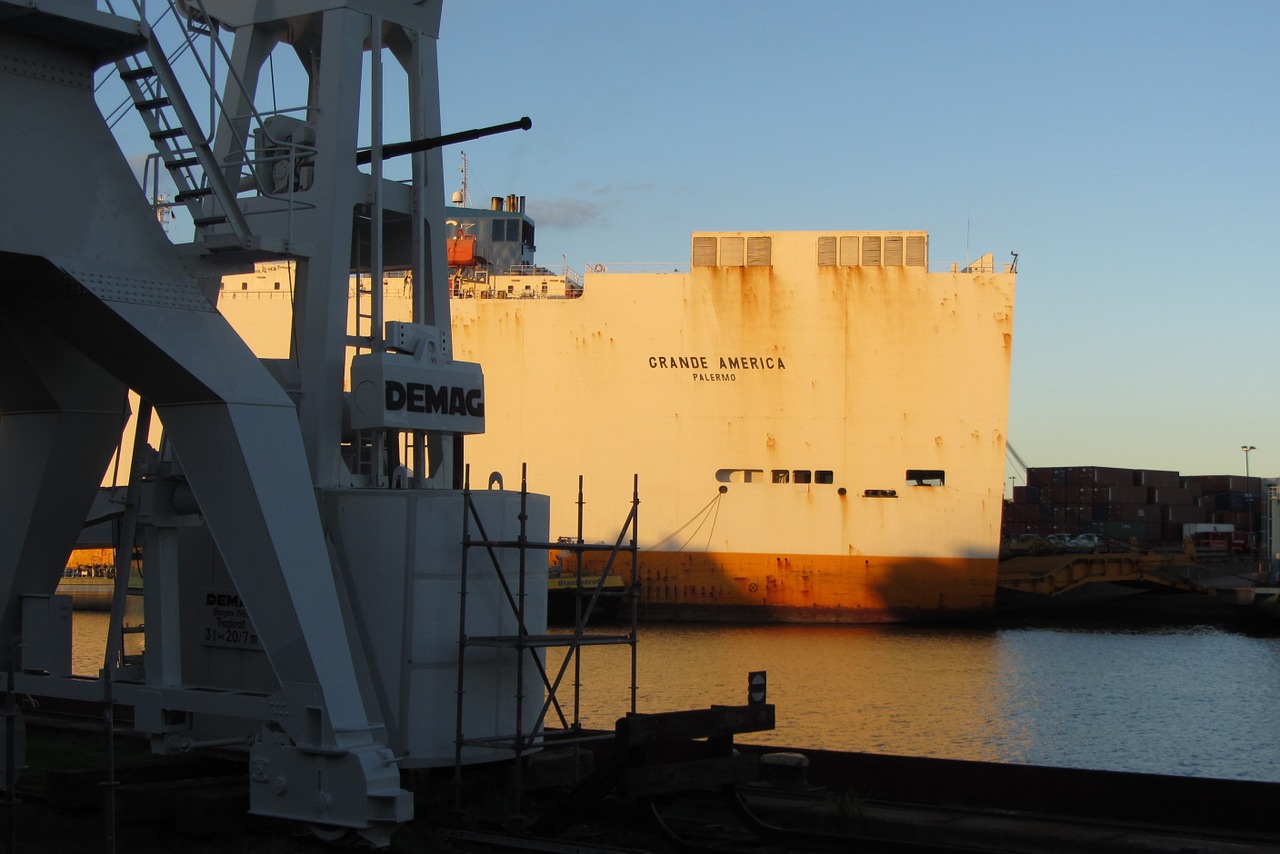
x,y
565,270
638,267
982,264
483,283
572,278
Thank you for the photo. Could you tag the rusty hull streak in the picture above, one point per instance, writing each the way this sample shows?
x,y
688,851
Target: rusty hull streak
x,y
812,588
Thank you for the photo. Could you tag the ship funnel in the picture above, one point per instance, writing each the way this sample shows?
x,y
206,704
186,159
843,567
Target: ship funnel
x,y
495,203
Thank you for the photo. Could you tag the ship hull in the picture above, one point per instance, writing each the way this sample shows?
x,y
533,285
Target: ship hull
x,y
812,441
798,588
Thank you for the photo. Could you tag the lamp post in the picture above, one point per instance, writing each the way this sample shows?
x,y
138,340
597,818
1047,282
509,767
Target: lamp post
x,y
1248,497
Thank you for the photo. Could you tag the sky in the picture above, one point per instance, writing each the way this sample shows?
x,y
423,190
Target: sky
x,y
1124,150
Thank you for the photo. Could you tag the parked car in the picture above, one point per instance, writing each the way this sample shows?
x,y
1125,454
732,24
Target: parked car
x,y
1087,543
1061,542
1026,544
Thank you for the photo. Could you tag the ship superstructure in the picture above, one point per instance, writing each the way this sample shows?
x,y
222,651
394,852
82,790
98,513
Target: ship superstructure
x,y
817,419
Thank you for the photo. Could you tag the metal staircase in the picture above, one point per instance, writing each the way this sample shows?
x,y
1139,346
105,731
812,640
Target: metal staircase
x,y
184,150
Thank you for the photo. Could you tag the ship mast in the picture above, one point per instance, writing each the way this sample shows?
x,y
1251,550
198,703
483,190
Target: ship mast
x,y
462,198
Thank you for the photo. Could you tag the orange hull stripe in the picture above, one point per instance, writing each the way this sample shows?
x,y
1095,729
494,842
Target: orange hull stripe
x,y
812,587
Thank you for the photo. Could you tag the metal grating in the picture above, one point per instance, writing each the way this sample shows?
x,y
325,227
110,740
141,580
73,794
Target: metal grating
x,y
871,251
704,251
732,251
850,255
759,251
917,256
826,251
893,251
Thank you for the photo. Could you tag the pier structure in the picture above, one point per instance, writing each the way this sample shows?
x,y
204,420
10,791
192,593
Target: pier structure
x,y
1055,575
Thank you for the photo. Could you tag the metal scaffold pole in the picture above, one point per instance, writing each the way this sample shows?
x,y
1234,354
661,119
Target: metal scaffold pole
x,y
462,638
635,584
529,642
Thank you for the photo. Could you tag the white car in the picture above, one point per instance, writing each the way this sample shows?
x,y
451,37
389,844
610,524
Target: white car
x,y
1061,542
1085,543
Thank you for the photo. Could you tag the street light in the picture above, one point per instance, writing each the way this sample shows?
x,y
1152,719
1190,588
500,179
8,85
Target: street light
x,y
1248,493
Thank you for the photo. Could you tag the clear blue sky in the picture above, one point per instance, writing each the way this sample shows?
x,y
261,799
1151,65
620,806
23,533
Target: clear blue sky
x,y
1125,150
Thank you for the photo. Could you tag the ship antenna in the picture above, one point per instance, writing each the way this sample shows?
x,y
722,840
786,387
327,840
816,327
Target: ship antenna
x,y
967,228
463,196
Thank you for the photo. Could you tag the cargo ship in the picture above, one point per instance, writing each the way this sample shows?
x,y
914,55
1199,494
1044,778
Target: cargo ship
x,y
815,420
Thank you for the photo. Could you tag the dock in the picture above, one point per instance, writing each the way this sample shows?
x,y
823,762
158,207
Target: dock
x,y
1055,575
660,783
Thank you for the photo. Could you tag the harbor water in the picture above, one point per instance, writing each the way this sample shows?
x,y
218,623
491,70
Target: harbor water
x,y
1191,700
1186,700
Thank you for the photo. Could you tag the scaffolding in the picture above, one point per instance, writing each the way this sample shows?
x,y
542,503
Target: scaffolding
x,y
537,645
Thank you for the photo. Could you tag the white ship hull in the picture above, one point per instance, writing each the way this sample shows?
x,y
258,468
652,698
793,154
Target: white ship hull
x,y
814,442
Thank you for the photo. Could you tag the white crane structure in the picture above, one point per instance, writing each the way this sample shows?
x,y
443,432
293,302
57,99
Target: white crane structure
x,y
301,527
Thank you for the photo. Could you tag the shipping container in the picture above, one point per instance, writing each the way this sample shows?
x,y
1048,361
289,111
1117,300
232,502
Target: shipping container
x,y
1150,477
1133,534
1227,483
1128,494
1040,477
1211,482
1171,495
1144,505
1103,476
1238,518
1182,514
1140,513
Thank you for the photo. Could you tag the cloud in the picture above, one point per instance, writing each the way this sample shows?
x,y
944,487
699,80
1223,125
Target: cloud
x,y
566,213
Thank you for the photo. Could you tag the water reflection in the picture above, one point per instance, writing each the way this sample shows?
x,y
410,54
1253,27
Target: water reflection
x,y
89,640
1194,701
890,690
1198,701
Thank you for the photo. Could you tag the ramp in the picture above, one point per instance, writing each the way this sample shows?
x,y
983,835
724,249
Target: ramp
x,y
1057,574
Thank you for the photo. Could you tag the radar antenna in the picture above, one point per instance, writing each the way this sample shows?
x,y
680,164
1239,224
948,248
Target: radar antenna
x,y
462,198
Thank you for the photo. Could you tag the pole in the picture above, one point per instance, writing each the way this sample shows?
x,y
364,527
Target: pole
x,y
11,743
1249,497
365,155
